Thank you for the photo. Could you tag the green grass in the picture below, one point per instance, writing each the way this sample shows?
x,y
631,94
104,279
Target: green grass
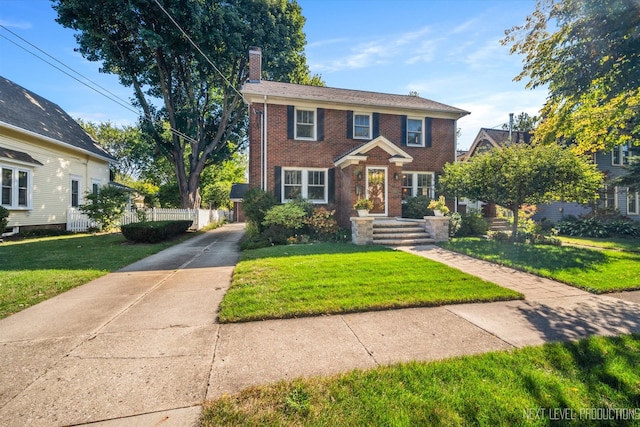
x,y
628,245
304,280
34,270
524,387
594,270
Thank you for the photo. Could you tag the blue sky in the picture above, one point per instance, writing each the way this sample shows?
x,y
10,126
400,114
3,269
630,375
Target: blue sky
x,y
446,50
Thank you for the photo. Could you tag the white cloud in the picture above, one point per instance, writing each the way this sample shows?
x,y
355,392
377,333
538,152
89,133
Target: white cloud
x,y
21,25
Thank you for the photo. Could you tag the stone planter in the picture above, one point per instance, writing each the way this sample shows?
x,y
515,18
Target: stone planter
x,y
363,212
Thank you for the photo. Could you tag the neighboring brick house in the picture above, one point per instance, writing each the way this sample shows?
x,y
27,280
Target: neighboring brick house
x,y
610,162
332,146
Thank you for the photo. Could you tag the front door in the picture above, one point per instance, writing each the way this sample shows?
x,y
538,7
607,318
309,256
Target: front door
x,y
377,189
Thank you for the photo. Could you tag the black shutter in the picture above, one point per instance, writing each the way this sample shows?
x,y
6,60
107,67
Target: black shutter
x,y
403,127
331,185
320,113
376,125
291,121
349,124
277,183
427,131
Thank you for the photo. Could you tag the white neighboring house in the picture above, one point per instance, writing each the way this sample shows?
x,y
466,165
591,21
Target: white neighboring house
x,y
47,161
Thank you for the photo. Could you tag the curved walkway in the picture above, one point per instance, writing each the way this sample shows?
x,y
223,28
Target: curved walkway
x,y
141,346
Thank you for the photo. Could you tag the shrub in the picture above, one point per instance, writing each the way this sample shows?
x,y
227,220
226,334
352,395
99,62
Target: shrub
x,y
416,207
105,207
322,223
472,224
154,232
4,219
282,222
256,203
499,236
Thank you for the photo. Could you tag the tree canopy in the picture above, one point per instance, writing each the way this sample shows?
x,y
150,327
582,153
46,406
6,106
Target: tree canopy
x,y
175,85
523,174
586,51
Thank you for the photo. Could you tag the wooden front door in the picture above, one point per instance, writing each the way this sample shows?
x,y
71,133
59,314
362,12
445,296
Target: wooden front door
x,y
377,189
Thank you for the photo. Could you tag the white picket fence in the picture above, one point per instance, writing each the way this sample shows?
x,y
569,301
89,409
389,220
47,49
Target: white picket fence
x,y
79,222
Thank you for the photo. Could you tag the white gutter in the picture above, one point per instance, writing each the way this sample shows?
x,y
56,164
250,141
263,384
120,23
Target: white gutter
x,y
57,142
264,132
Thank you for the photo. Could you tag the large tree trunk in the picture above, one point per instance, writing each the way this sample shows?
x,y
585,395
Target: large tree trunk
x,y
514,229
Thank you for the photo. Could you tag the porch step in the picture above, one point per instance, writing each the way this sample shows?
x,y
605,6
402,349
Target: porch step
x,y
393,232
498,224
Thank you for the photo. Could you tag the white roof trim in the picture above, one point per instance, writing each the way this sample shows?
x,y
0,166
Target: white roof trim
x,y
56,142
398,156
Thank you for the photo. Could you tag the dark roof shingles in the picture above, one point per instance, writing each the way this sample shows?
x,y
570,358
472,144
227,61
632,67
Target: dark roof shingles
x,y
24,109
348,96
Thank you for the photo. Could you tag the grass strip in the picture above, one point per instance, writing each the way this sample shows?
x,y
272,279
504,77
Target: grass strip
x,y
305,280
572,384
594,270
34,270
620,244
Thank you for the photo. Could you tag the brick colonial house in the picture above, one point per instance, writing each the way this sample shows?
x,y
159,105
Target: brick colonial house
x,y
332,146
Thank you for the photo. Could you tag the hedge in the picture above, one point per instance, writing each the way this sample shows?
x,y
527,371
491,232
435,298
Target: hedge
x,y
154,231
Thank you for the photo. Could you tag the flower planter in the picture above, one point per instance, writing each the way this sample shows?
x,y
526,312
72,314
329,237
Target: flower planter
x,y
363,212
437,212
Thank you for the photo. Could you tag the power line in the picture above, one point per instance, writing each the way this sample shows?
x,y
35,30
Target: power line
x,y
125,104
116,100
200,50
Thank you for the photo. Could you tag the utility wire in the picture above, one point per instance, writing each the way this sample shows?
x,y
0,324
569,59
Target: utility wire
x,y
200,50
123,103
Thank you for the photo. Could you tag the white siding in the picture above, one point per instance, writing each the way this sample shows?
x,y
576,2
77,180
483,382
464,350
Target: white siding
x,y
51,181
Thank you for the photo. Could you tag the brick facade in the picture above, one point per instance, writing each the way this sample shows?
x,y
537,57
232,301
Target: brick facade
x,y
285,152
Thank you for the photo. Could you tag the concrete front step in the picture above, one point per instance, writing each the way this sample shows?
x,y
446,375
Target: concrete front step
x,y
393,232
415,235
397,230
403,242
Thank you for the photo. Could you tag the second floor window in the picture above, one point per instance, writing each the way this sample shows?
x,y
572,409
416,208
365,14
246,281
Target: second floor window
x,y
362,126
414,132
305,124
620,155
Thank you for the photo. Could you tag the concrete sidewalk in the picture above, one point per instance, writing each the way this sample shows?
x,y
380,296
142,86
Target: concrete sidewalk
x,y
137,341
141,346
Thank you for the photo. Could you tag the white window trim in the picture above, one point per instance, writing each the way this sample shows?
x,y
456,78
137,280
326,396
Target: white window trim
x,y
14,206
621,150
97,182
421,120
414,181
305,184
315,124
637,197
80,188
355,113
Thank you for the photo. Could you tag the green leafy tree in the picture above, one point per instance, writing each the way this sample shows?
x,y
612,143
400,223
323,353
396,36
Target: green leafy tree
x,y
198,96
586,52
523,122
217,180
105,207
523,174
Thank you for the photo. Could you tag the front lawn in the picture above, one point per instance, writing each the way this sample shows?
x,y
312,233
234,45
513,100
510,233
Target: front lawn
x,y
629,245
594,270
593,382
305,280
34,270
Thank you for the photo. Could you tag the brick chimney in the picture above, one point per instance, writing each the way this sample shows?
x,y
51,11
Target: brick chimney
x,y
255,64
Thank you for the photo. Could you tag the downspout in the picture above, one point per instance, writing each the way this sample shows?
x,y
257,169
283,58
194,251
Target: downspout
x,y
455,157
264,138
